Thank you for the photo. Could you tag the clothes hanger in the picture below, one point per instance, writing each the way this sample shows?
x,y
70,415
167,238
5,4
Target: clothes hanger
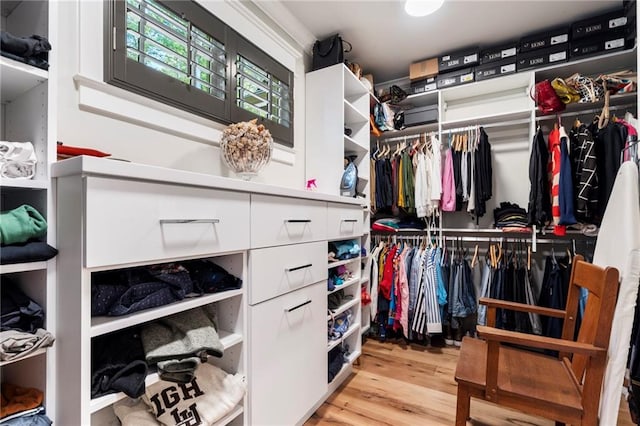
x,y
475,257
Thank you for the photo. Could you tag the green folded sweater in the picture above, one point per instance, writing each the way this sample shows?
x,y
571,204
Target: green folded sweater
x,y
21,224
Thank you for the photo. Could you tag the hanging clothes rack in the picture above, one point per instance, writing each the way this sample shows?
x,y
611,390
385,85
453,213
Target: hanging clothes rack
x,y
403,138
486,126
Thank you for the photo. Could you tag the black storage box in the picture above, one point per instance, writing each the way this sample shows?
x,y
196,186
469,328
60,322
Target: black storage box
x,y
421,115
455,78
496,69
544,40
598,45
599,25
498,53
460,59
424,85
544,57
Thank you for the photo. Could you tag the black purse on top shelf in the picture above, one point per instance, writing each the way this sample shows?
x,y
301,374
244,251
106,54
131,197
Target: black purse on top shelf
x,y
329,51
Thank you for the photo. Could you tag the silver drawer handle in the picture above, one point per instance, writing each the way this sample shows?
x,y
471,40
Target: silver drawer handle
x,y
350,220
298,220
164,221
309,265
298,306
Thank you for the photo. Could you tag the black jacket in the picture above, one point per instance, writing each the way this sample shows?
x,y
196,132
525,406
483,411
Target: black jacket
x,y
539,195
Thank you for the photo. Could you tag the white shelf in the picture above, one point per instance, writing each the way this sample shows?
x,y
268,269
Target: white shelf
x,y
24,183
342,262
344,372
31,355
353,117
344,307
593,66
22,267
346,284
352,86
351,145
226,338
102,324
332,344
365,329
17,78
409,131
230,417
419,99
517,117
364,280
521,80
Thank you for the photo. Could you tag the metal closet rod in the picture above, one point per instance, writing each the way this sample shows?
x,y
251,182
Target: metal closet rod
x,y
583,112
458,129
469,239
488,125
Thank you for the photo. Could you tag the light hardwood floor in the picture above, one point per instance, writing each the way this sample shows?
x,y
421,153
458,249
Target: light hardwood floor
x,y
396,384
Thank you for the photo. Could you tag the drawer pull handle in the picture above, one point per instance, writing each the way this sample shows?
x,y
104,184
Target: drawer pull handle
x,y
309,265
298,220
298,306
350,220
164,221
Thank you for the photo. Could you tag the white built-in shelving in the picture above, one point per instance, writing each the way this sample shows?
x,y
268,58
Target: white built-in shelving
x,y
27,114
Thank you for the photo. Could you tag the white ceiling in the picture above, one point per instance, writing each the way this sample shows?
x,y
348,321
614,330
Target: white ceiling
x,y
386,40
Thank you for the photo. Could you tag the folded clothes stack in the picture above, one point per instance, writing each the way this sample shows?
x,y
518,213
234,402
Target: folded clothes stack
x,y
511,216
22,406
393,224
20,230
32,50
17,160
21,323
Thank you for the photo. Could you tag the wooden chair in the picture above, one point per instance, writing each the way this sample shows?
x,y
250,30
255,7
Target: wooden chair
x,y
565,389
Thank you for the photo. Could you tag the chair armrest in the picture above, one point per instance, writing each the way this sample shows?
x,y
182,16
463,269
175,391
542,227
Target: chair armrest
x,y
540,342
522,307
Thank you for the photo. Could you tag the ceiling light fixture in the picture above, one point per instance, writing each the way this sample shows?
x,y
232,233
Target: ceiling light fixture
x,y
422,7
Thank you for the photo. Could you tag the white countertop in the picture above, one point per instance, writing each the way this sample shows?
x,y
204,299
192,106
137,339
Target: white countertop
x,y
94,166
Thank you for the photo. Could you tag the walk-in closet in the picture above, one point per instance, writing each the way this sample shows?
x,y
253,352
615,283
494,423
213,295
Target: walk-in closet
x,y
411,212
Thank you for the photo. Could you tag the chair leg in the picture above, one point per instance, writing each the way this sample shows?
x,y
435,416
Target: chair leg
x,y
462,406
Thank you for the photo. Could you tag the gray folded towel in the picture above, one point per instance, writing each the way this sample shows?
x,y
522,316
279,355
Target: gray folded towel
x,y
174,343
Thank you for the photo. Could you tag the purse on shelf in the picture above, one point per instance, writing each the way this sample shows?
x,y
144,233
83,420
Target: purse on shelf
x,y
587,88
329,51
566,93
546,98
619,82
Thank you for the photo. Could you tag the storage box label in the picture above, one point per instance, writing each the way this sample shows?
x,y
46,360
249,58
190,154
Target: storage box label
x,y
471,58
465,78
618,22
509,52
559,39
560,56
448,81
614,44
507,68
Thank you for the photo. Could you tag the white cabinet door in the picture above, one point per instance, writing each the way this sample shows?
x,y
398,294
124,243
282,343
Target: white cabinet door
x,y
133,221
288,355
278,270
278,221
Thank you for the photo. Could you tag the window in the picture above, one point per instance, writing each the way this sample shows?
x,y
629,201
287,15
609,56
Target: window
x,y
178,53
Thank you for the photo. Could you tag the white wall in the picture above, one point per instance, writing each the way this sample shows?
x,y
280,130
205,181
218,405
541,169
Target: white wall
x,y
96,115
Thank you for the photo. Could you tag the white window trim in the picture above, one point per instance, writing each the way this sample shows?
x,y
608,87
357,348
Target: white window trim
x,y
104,99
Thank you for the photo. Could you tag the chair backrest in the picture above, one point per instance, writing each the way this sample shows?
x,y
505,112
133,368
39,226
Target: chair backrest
x,y
595,328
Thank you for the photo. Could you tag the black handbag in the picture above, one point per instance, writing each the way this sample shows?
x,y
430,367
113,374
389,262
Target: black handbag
x,y
329,51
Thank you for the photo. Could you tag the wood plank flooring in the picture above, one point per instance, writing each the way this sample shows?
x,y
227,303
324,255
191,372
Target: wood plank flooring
x,y
397,384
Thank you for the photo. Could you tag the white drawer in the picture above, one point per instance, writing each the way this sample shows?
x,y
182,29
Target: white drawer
x,y
278,221
344,221
288,356
278,270
131,221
